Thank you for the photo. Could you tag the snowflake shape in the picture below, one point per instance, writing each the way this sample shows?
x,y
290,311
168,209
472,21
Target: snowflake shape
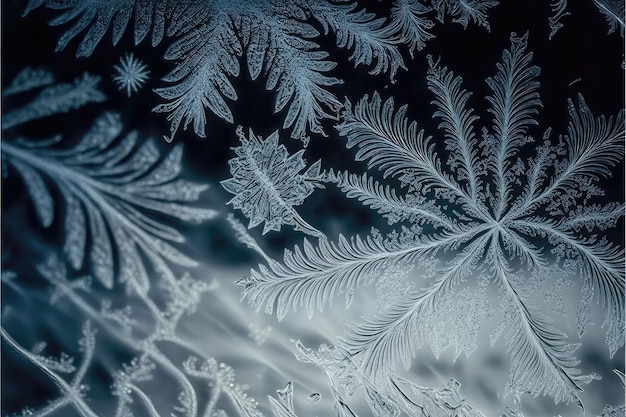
x,y
130,74
267,183
476,223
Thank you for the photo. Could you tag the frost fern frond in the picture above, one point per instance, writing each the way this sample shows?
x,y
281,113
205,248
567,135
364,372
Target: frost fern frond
x,y
370,39
311,276
601,263
72,392
296,69
457,123
592,146
386,139
396,334
410,25
559,11
94,18
613,11
542,362
465,11
55,99
414,208
514,104
107,191
595,145
209,55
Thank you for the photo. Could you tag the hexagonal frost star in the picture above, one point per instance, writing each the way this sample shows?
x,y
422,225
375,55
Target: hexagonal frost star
x,y
130,74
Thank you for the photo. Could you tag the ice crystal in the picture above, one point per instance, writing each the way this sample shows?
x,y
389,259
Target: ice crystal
x,y
613,12
222,377
486,209
54,99
268,182
130,74
128,387
72,391
283,407
276,38
385,398
559,11
106,184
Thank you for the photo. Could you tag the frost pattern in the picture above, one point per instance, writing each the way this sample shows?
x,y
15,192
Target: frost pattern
x,y
612,410
242,235
485,208
278,44
559,11
267,183
465,12
72,391
283,406
373,42
221,381
107,183
29,79
130,74
55,99
385,398
613,12
160,322
276,38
